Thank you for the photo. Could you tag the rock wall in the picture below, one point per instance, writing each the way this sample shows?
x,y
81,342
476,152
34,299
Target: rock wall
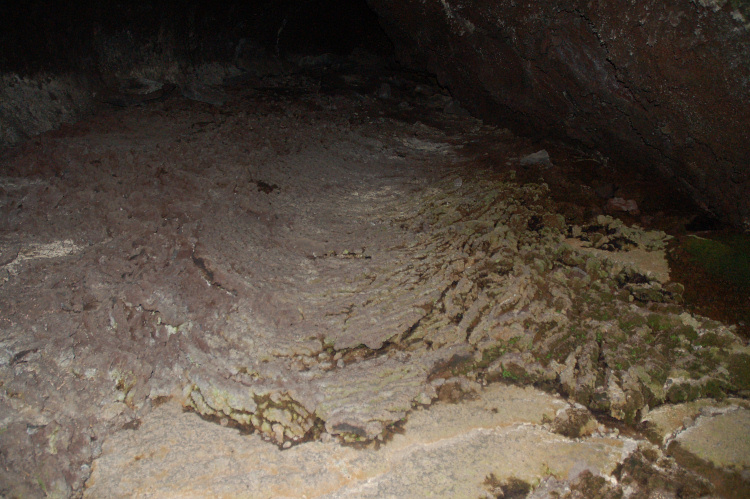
x,y
661,86
32,105
57,59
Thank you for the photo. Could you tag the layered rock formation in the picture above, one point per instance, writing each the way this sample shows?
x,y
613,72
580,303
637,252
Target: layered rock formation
x,y
659,85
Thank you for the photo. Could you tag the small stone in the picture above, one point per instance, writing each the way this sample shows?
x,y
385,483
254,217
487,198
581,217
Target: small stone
x,y
537,158
689,320
287,444
574,422
278,431
620,204
340,363
384,92
454,107
554,221
675,288
423,399
604,190
422,90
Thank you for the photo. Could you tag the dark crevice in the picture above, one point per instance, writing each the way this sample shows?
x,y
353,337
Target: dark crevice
x,y
208,274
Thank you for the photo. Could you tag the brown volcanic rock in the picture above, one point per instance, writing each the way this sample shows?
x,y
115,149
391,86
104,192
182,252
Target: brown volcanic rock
x,y
659,85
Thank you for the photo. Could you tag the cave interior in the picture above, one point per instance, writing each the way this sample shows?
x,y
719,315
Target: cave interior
x,y
174,174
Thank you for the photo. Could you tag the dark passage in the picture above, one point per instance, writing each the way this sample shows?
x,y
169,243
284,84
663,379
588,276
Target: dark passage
x,y
57,35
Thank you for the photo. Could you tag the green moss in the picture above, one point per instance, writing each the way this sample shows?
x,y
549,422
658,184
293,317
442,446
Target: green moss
x,y
677,394
659,323
632,321
683,392
672,341
712,339
728,259
738,366
647,294
593,265
490,355
561,348
657,374
636,352
602,314
705,360
714,388
577,333
42,486
688,332
631,413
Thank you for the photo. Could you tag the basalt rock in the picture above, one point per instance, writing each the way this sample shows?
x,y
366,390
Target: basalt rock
x,y
658,85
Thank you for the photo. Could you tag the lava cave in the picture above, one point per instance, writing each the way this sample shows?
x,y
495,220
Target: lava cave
x,y
375,248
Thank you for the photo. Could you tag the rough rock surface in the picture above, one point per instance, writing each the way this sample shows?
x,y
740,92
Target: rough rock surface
x,y
659,85
57,62
32,105
722,439
311,265
709,436
445,451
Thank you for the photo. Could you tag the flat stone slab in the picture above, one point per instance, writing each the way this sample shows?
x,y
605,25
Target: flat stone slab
x,y
667,421
651,262
723,439
448,450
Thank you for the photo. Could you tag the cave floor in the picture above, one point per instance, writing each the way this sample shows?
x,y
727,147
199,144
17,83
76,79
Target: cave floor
x,y
333,285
